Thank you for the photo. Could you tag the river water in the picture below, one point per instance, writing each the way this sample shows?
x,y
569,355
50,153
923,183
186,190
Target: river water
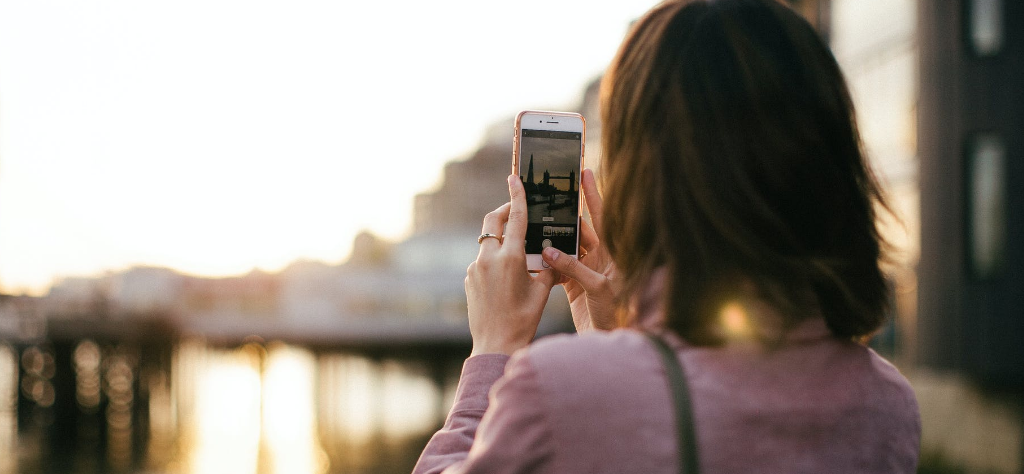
x,y
192,408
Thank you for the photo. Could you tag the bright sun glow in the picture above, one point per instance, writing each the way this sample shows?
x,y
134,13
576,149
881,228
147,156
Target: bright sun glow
x,y
227,417
735,320
352,409
289,421
408,401
214,136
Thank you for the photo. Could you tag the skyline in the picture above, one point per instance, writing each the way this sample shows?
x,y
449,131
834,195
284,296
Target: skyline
x,y
218,137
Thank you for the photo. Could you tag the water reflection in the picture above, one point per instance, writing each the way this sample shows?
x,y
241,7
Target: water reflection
x,y
289,420
8,409
92,406
118,386
163,426
38,367
87,375
408,399
285,409
222,434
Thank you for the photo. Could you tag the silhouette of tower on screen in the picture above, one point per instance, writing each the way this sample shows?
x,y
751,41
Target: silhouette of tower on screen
x,y
529,174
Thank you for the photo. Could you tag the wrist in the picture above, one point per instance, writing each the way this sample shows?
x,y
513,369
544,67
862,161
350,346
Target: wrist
x,y
503,349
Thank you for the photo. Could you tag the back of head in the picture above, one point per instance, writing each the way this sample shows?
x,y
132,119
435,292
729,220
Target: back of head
x,y
732,160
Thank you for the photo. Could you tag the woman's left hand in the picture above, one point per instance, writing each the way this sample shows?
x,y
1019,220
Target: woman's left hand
x,y
505,302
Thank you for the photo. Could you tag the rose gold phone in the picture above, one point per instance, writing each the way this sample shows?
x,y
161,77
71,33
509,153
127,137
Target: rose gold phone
x,y
547,155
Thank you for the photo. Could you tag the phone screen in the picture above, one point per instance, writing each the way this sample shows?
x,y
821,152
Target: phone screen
x,y
549,166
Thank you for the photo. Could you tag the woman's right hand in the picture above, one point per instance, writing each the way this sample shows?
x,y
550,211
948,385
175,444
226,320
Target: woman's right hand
x,y
591,284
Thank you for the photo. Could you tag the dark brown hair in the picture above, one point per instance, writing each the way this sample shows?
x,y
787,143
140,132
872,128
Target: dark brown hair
x,y
731,158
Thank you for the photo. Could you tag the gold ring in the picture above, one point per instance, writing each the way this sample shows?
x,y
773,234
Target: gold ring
x,y
480,239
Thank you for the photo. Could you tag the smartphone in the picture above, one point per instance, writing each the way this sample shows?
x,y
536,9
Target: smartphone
x,y
547,155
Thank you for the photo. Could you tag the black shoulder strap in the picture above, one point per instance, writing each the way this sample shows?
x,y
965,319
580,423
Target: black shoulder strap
x,y
685,436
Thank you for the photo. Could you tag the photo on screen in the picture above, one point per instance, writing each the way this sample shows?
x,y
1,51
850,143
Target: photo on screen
x,y
549,167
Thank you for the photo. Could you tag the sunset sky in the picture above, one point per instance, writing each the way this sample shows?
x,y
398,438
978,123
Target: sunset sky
x,y
557,157
217,136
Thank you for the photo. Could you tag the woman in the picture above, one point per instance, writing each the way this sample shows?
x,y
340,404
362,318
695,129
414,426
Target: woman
x,y
738,225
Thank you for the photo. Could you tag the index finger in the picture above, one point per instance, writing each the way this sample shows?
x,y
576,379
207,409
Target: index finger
x,y
593,198
515,228
588,238
493,223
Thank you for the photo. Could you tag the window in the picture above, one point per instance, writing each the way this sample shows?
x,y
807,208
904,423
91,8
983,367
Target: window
x,y
986,205
985,26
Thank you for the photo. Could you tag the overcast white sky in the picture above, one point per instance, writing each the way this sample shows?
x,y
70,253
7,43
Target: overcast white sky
x,y
215,136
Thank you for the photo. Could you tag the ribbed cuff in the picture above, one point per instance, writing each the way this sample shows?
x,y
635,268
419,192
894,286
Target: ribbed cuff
x,y
478,375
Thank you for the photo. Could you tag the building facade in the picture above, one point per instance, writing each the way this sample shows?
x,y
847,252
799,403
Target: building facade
x,y
971,146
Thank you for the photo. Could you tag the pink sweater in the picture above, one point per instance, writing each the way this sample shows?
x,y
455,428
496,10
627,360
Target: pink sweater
x,y
600,403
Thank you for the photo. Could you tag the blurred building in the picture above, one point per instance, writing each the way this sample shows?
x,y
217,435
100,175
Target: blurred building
x,y
78,297
970,323
971,141
21,319
469,188
142,290
255,295
935,82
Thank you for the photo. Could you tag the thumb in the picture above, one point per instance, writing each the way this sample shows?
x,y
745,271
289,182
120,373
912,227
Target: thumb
x,y
547,278
571,267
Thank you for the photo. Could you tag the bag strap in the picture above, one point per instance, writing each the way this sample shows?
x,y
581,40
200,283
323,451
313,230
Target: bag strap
x,y
687,439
